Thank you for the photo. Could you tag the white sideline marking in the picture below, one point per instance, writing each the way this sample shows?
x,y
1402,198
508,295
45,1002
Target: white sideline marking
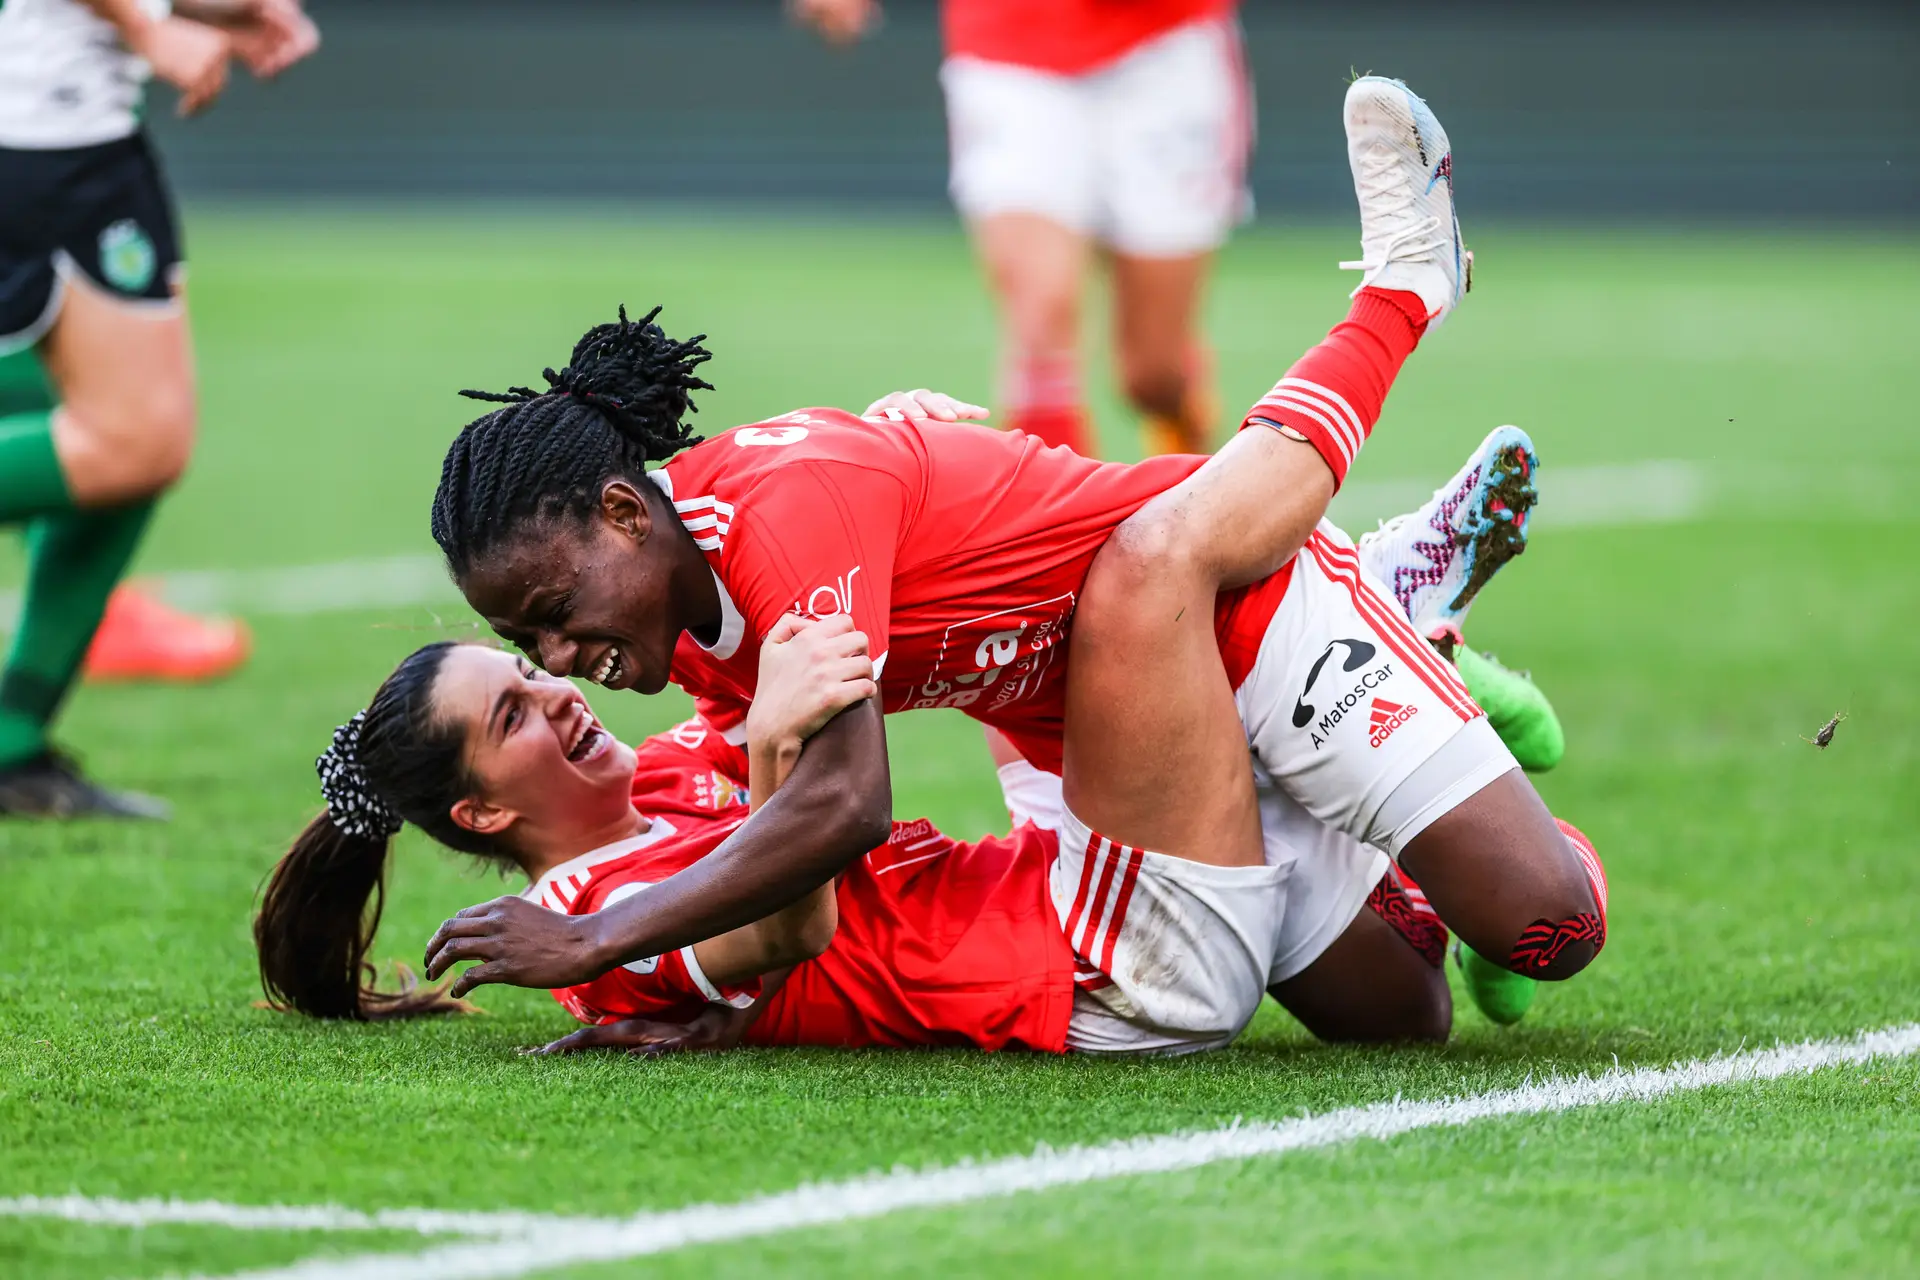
x,y
524,1243
1576,497
299,591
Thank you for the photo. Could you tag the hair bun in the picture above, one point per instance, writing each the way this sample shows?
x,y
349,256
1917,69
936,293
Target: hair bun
x,y
634,375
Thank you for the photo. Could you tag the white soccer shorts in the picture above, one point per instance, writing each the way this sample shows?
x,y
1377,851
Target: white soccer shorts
x,y
1362,737
1353,715
1147,155
1172,956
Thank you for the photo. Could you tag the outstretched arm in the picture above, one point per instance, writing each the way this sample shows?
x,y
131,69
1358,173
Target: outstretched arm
x,y
837,804
809,671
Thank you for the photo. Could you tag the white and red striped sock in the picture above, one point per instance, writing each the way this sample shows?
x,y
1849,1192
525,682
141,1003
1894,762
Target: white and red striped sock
x,y
1542,942
1401,903
1332,395
1590,863
1041,396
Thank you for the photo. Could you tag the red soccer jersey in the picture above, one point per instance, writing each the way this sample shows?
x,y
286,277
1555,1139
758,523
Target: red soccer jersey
x,y
959,551
940,942
1066,36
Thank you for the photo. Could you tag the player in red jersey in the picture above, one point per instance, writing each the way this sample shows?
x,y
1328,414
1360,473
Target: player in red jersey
x,y
962,554
1083,125
924,941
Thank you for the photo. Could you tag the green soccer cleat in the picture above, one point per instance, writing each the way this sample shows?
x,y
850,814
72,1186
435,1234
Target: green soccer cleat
x,y
1502,995
1516,709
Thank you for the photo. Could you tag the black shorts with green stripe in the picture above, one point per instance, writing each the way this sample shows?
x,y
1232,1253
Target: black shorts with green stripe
x,y
103,212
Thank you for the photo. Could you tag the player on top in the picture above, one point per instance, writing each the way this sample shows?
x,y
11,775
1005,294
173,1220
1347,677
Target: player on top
x,y
925,941
963,554
91,282
1084,126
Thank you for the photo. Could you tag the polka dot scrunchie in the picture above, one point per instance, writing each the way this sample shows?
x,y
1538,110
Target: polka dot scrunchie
x,y
351,803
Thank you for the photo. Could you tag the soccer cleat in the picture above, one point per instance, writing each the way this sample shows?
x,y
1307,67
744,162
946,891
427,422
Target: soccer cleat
x,y
51,786
142,638
1502,995
1403,175
1435,560
1515,707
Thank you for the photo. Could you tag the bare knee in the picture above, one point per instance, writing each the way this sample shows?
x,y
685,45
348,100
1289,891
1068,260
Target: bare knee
x,y
1504,877
1153,557
1561,941
122,452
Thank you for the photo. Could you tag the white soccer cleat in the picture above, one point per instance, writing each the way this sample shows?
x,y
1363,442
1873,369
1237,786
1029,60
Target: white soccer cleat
x,y
1436,559
1403,176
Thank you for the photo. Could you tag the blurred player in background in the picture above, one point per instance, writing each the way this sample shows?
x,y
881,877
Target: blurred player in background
x,y
1075,125
97,404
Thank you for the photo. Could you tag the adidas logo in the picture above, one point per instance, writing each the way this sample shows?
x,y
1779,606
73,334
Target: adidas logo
x,y
1385,717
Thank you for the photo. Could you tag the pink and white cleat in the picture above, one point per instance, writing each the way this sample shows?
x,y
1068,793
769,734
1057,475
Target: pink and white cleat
x,y
1435,560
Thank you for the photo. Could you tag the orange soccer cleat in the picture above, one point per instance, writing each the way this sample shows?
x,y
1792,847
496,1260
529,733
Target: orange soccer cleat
x,y
143,638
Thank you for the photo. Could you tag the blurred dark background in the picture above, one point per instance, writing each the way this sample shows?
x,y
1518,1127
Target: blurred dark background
x,y
1754,111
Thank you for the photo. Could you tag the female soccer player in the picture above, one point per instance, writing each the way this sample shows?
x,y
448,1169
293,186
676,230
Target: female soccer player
x,y
1078,126
90,280
924,941
964,554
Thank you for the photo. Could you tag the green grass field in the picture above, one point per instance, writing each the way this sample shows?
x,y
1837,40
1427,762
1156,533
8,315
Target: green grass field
x,y
1762,891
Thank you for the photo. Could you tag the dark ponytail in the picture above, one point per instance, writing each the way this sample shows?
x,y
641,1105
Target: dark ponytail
x,y
617,405
315,926
322,904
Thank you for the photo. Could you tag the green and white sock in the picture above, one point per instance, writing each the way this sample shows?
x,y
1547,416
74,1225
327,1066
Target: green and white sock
x,y
75,559
31,482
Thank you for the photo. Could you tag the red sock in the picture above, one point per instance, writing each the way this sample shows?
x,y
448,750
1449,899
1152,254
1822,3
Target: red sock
x,y
1056,424
1590,862
1542,941
1042,397
1332,395
1398,901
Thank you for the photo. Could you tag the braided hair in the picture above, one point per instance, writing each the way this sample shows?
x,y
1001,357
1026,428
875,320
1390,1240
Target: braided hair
x,y
616,406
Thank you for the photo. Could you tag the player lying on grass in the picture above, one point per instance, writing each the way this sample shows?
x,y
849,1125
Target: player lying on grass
x,y
968,557
937,942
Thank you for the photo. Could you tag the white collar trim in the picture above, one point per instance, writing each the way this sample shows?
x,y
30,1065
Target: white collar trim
x,y
733,627
659,829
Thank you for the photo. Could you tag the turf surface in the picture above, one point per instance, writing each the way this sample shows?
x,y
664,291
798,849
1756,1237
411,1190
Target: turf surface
x,y
1761,890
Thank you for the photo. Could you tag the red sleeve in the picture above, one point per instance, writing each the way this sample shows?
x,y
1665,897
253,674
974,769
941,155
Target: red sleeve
x,y
683,767
817,539
670,987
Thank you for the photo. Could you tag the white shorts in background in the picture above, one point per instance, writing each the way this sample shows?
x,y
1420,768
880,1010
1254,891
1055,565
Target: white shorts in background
x,y
1172,955
1147,155
1353,715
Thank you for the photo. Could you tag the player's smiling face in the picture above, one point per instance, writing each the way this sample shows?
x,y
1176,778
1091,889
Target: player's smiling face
x,y
534,750
600,600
